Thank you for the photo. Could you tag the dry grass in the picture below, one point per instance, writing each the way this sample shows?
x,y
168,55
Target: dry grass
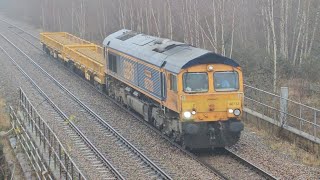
x,y
7,150
285,147
294,151
314,100
4,118
299,90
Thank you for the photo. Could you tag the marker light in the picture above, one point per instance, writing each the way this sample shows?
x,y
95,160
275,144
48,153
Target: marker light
x,y
210,68
187,114
237,112
230,111
193,112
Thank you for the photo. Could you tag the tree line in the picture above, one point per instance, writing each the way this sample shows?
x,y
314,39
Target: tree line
x,y
274,40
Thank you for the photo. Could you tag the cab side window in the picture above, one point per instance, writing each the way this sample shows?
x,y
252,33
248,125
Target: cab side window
x,y
112,62
173,83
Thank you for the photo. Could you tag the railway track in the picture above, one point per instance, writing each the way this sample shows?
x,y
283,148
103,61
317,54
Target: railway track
x,y
140,164
105,169
92,153
227,161
18,30
211,168
249,166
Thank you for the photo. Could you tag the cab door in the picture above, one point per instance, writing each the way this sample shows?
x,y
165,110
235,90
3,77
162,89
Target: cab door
x,y
172,92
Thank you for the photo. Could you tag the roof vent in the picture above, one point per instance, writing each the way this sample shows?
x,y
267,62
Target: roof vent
x,y
161,41
126,36
165,47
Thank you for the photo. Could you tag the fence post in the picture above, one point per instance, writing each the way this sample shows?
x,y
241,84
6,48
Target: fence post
x,y
315,124
284,105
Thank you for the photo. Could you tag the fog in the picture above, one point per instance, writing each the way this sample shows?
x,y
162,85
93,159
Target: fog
x,y
275,41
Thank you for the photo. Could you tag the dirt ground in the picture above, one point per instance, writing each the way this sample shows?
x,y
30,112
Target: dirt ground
x,y
285,147
7,150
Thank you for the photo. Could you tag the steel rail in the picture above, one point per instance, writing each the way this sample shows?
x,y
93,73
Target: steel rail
x,y
239,158
18,28
65,117
250,165
210,167
135,150
246,85
247,163
137,117
172,142
22,103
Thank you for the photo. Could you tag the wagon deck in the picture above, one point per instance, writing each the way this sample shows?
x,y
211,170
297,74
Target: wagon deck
x,y
58,40
76,52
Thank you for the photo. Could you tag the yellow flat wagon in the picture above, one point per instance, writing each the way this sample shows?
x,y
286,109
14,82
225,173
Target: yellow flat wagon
x,y
54,42
87,58
78,54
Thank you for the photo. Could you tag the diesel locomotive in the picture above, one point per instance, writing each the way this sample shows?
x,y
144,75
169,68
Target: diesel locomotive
x,y
192,95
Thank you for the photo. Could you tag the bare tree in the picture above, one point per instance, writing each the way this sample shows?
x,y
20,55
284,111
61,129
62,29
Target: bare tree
x,y
232,33
281,31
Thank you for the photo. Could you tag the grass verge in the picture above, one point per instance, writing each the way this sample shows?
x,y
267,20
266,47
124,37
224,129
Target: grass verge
x,y
282,146
7,155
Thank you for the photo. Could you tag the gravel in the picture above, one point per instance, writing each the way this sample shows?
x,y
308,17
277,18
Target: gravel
x,y
169,158
251,146
229,166
257,150
116,152
15,79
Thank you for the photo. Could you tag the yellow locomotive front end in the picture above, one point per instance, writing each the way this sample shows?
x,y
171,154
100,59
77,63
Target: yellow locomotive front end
x,y
211,105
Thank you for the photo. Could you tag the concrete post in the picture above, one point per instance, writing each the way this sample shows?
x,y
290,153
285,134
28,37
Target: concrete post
x,y
284,105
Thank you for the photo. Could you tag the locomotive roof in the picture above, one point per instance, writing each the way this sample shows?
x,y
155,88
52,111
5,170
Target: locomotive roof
x,y
163,53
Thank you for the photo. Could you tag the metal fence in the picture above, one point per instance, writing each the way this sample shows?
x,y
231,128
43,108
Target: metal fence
x,y
41,136
292,115
29,147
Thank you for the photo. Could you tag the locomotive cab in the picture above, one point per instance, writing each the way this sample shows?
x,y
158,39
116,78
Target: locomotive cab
x,y
211,105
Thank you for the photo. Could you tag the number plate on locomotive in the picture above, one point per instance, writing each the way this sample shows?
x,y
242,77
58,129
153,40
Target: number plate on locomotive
x,y
234,104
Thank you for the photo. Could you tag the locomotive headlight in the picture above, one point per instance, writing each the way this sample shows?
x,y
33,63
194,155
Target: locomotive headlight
x,y
210,68
187,114
193,112
237,112
230,111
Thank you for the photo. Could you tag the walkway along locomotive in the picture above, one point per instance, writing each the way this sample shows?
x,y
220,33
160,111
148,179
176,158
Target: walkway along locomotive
x,y
192,95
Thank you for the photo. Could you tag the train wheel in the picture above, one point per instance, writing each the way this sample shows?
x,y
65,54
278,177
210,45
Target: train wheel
x,y
100,87
152,121
176,136
182,143
121,101
65,63
71,65
55,55
45,49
